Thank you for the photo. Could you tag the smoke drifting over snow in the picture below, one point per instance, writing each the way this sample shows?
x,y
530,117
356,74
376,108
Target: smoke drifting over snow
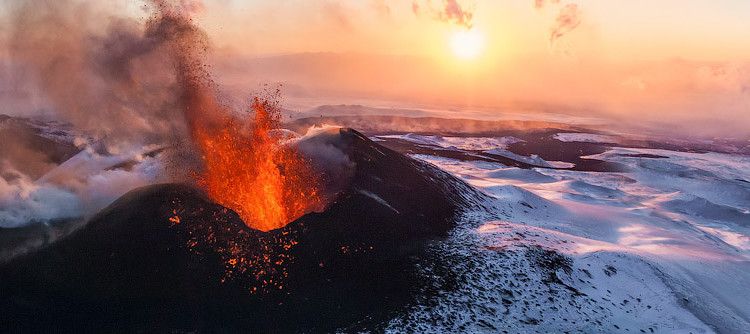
x,y
450,11
71,193
22,201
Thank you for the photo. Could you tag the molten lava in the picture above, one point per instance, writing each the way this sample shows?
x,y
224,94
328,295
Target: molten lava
x,y
249,169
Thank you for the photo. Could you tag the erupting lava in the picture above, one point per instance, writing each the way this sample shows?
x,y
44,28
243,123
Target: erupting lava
x,y
249,169
246,165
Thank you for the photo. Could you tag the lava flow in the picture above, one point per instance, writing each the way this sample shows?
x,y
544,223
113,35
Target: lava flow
x,y
249,169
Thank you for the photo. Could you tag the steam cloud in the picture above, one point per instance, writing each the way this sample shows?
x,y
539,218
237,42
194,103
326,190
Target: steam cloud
x,y
23,200
318,144
450,11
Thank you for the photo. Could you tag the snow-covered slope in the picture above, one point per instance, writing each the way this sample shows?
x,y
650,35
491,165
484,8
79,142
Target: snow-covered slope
x,y
483,146
663,248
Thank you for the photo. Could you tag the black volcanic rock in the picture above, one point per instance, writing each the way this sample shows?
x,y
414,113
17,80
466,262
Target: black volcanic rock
x,y
164,258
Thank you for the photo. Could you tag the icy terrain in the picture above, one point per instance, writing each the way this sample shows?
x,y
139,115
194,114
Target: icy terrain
x,y
585,138
661,247
464,143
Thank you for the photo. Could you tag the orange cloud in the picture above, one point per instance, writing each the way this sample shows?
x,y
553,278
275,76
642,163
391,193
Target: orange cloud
x,y
450,12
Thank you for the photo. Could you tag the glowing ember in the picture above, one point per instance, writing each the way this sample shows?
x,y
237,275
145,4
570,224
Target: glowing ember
x,y
249,169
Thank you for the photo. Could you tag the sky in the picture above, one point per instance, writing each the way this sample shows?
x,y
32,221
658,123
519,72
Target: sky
x,y
659,63
677,65
617,29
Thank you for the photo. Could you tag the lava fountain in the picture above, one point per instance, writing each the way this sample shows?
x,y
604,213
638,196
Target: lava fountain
x,y
246,164
249,169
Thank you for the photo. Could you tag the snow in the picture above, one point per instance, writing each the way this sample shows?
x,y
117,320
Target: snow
x,y
584,137
561,164
675,230
488,145
377,199
463,143
533,160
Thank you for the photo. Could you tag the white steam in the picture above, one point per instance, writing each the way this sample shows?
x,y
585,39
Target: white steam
x,y
325,148
77,188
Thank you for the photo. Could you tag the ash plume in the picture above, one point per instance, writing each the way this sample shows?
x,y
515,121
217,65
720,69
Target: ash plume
x,y
116,85
128,85
450,11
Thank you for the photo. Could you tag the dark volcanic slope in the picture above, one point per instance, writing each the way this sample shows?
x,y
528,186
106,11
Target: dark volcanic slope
x,y
164,258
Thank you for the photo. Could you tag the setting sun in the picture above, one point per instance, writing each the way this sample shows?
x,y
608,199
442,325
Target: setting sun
x,y
466,44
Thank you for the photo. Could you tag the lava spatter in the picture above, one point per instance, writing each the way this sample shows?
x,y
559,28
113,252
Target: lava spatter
x,y
249,169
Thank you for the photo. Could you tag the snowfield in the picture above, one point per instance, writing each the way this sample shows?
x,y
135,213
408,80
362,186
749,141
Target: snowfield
x,y
584,138
661,248
464,143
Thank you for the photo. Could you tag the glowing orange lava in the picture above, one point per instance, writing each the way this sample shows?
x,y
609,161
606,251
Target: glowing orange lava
x,y
249,169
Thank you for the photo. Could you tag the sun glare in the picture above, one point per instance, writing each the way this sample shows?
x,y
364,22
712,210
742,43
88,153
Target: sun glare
x,y
466,44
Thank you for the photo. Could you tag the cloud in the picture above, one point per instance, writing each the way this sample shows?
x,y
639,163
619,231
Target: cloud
x,y
450,11
382,8
415,8
568,18
731,77
453,12
338,14
539,4
633,82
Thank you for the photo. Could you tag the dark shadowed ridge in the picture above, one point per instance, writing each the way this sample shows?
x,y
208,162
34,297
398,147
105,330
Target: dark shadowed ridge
x,y
164,258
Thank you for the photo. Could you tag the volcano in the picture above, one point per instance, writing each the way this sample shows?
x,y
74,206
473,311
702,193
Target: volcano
x,y
165,258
